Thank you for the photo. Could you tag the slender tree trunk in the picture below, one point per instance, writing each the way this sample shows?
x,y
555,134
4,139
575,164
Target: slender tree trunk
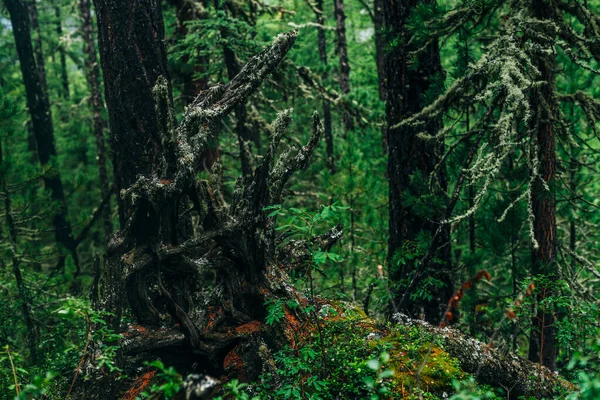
x,y
187,11
37,44
98,124
64,76
242,127
329,152
23,294
379,17
241,116
542,347
409,154
39,108
342,48
378,20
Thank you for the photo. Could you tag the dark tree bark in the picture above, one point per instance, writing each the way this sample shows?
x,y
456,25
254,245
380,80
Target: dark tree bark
x,y
342,49
64,76
98,124
542,346
154,263
409,154
37,43
329,152
378,20
39,108
132,61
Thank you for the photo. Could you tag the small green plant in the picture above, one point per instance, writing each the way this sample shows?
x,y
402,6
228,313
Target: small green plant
x,y
378,385
275,311
38,388
588,378
234,390
169,381
470,390
81,312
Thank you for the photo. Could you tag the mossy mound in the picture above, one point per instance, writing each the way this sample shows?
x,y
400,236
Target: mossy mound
x,y
350,356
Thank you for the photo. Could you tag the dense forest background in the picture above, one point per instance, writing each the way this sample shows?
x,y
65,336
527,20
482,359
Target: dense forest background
x,y
456,182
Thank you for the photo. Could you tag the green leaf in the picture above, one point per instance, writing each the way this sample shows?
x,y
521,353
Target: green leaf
x,y
374,364
386,374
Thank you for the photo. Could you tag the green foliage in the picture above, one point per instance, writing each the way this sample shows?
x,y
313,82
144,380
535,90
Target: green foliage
x,y
378,385
169,381
359,362
489,50
236,391
470,390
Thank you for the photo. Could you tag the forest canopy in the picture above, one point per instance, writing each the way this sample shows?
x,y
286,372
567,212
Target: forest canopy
x,y
355,199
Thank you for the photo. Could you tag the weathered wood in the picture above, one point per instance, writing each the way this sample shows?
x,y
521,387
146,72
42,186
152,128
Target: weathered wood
x,y
518,376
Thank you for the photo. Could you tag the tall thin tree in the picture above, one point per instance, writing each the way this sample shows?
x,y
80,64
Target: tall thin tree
x,y
542,347
408,154
96,104
39,109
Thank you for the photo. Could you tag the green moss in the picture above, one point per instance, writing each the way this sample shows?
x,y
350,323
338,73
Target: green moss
x,y
342,359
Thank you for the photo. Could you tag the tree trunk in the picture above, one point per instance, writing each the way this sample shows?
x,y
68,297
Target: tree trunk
x,y
32,332
329,152
189,11
154,263
542,337
98,125
39,108
408,154
133,58
342,48
378,21
245,134
37,43
490,366
64,76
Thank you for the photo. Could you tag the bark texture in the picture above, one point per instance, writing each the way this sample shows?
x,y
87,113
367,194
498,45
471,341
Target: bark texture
x,y
98,125
155,262
329,152
64,75
342,48
542,338
409,154
38,104
378,20
518,376
133,58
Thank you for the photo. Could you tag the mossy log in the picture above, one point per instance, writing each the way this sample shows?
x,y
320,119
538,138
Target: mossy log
x,y
516,375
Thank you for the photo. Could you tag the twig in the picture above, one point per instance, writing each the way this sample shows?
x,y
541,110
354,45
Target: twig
x,y
87,343
12,367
